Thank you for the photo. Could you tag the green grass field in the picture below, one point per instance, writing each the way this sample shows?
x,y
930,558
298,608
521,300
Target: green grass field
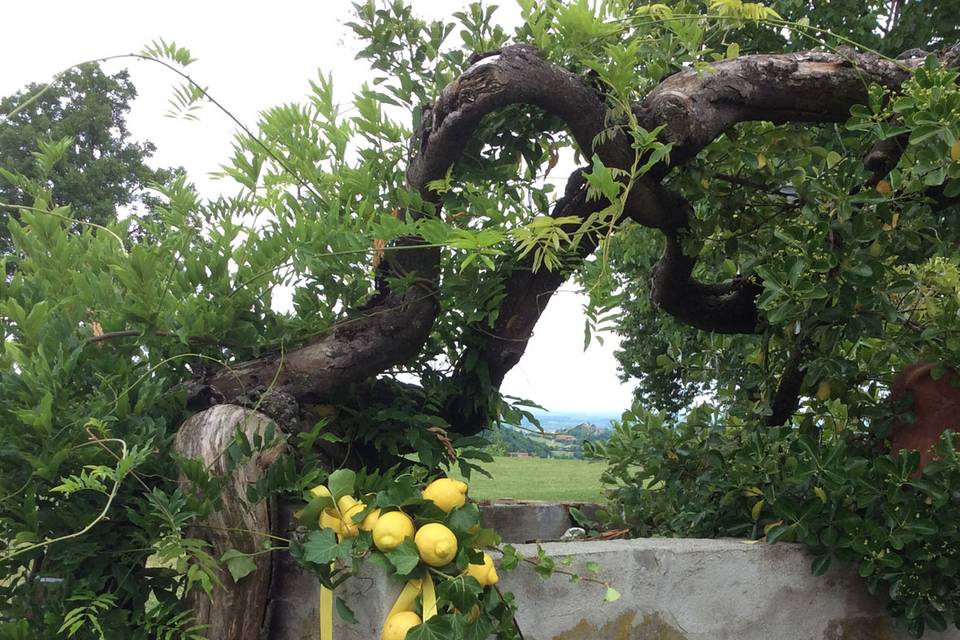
x,y
539,479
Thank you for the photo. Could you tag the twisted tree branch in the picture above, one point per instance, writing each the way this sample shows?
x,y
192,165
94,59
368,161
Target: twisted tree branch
x,y
694,107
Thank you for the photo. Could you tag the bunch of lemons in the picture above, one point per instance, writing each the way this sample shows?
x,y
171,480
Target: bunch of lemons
x,y
436,544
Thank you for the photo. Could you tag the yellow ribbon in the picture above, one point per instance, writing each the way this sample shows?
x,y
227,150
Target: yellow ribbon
x,y
326,613
404,602
429,598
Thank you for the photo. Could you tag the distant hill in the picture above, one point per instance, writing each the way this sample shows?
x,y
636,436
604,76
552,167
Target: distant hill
x,y
512,440
565,443
556,421
588,431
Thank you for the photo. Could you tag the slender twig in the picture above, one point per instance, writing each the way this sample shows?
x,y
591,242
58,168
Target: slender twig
x,y
516,625
262,534
76,534
572,574
138,333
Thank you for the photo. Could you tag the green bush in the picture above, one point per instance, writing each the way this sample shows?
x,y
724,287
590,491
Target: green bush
x,y
835,491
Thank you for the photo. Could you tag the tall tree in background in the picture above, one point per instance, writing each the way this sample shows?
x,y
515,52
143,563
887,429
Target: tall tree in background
x,y
100,171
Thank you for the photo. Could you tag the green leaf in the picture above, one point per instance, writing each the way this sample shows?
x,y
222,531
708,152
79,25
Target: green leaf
x,y
239,564
778,532
545,564
309,516
511,557
602,181
346,613
443,627
404,558
820,564
321,547
612,595
465,518
401,492
341,483
463,592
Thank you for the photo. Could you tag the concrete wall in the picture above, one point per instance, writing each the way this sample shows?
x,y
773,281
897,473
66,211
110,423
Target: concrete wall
x,y
684,589
530,520
671,589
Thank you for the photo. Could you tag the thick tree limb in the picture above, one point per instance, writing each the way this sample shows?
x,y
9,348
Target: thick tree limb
x,y
794,87
786,399
527,292
725,307
394,327
695,107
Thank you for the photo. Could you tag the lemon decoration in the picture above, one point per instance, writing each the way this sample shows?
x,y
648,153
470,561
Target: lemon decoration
x,y
486,573
436,543
390,530
349,528
340,520
446,493
399,624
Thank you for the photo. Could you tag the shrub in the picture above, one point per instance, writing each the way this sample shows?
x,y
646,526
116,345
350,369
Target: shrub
x,y
834,491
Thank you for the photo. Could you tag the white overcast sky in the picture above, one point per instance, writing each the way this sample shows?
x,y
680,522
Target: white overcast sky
x,y
252,55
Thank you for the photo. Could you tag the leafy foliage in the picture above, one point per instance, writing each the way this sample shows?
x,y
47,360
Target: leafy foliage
x,y
825,485
838,252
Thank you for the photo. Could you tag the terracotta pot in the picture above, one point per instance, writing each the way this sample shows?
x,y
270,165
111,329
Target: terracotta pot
x,y
935,405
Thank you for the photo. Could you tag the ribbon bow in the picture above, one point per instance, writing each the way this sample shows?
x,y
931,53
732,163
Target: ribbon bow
x,y
416,587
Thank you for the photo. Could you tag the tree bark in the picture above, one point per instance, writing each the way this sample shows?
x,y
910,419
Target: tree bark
x,y
236,610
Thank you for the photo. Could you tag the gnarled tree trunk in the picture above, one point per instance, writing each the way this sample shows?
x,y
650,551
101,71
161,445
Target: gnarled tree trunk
x,y
236,610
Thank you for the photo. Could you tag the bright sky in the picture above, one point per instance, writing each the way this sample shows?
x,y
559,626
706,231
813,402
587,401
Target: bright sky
x,y
253,55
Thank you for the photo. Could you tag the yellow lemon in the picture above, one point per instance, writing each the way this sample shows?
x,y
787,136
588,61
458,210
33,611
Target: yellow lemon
x,y
446,493
398,625
390,530
436,543
486,573
320,491
370,520
823,391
